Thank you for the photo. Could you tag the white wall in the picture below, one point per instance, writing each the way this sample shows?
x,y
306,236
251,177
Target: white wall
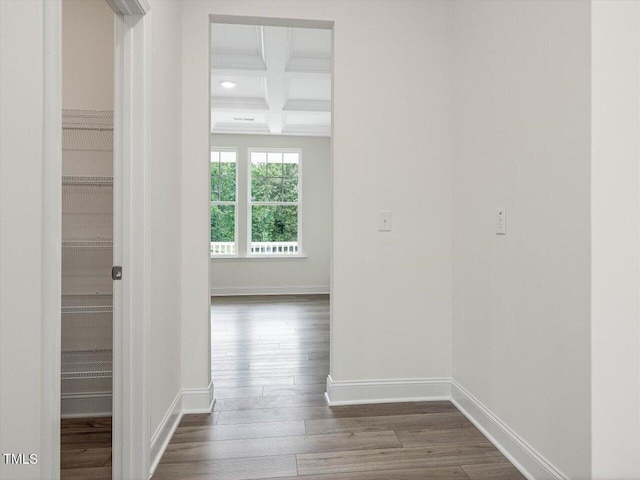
x,y
21,241
615,325
391,295
270,275
521,332
87,60
165,211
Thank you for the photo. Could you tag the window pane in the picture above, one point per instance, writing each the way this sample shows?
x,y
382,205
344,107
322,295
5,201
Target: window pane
x,y
215,188
228,169
258,170
228,157
274,189
290,189
274,177
258,157
274,169
258,190
290,169
215,169
223,229
290,158
223,176
228,189
274,229
274,157
258,174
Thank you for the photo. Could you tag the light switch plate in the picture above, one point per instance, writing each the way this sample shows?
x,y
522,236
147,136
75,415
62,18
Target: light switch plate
x,y
501,221
384,221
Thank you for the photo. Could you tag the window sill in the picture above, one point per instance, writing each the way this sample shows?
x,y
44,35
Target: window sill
x,y
231,258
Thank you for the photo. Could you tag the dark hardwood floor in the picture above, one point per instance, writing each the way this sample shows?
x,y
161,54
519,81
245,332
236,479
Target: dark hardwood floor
x,y
85,449
270,360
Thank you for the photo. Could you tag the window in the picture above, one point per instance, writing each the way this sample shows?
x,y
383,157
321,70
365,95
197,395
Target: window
x,y
223,202
264,218
274,202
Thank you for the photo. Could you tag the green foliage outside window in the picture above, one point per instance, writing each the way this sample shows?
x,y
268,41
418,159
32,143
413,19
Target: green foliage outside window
x,y
223,223
223,182
223,189
271,223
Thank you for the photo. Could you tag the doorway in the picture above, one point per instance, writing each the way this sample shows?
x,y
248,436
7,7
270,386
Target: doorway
x,y
88,66
131,316
270,207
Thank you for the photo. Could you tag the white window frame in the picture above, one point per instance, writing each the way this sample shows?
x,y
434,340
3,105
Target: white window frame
x,y
250,203
235,204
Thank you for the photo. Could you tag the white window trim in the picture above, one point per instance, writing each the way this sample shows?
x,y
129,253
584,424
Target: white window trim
x,y
236,203
250,203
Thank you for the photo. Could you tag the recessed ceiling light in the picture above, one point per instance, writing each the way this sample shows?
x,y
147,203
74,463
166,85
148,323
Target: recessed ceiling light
x,y
228,84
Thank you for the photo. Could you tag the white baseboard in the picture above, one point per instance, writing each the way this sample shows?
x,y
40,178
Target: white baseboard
x,y
283,290
525,458
197,400
162,436
387,391
85,405
530,463
188,400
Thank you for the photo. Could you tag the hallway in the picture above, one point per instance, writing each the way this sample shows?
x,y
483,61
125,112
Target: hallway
x,y
270,359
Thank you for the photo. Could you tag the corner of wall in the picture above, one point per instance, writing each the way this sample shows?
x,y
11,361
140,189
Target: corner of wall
x,y
187,401
522,455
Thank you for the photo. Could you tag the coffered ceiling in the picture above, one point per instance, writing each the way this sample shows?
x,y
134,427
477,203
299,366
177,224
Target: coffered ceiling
x,y
282,80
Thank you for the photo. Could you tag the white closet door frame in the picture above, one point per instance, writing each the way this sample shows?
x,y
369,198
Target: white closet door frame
x,y
131,296
131,314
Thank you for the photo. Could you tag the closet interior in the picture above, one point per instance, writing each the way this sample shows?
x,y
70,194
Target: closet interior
x,y
87,258
86,344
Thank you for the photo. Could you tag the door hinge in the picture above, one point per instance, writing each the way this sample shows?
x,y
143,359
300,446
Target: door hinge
x,y
116,273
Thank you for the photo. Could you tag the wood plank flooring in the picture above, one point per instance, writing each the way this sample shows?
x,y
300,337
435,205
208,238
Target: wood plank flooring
x,y
85,449
270,359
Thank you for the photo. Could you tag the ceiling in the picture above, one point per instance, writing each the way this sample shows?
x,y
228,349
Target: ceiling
x,y
282,76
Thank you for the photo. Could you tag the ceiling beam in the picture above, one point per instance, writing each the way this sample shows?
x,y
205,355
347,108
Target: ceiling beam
x,y
276,54
238,63
308,130
301,105
246,128
309,65
238,104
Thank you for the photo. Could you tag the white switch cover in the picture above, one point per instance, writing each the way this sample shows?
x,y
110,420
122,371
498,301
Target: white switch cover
x,y
384,221
501,221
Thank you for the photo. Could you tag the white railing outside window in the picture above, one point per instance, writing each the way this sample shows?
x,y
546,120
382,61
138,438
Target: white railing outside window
x,y
223,248
274,248
257,248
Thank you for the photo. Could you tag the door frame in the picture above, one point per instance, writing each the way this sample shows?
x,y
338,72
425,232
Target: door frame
x,y
288,23
131,313
131,246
